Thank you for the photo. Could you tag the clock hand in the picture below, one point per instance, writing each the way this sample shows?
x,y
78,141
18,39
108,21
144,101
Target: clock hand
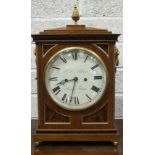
x,y
71,80
64,81
75,80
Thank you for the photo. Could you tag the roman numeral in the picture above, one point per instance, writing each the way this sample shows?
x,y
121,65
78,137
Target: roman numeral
x,y
63,98
95,66
56,89
76,100
74,55
55,67
96,89
53,79
71,99
88,97
66,100
98,77
63,59
58,92
86,58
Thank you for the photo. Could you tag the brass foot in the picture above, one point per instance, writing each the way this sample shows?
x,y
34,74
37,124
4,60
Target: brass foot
x,y
115,143
37,143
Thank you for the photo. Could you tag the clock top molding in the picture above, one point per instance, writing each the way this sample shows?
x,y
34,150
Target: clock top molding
x,y
75,32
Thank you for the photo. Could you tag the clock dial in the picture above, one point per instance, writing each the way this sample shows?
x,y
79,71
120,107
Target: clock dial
x,y
75,78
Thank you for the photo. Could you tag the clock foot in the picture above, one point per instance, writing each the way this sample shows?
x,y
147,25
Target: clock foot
x,y
115,143
37,143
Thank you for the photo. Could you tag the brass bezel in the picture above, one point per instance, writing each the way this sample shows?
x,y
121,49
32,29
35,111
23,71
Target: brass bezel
x,y
89,51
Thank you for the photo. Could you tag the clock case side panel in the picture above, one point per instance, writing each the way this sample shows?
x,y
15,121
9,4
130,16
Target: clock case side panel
x,y
43,110
112,81
39,85
109,50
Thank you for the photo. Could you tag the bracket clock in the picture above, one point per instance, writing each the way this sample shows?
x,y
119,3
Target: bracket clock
x,y
76,83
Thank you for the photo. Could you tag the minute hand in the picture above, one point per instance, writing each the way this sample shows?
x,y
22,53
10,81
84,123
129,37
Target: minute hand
x,y
75,80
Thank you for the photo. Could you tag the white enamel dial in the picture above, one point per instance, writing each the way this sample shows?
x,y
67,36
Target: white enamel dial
x,y
75,78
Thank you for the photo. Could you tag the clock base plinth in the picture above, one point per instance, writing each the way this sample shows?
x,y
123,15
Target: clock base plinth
x,y
78,137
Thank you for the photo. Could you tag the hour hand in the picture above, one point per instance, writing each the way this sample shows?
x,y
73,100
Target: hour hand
x,y
66,80
62,82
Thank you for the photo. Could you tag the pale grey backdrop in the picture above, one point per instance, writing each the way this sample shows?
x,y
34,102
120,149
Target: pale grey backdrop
x,y
107,14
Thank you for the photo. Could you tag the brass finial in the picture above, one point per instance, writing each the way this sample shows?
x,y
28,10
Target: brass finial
x,y
75,15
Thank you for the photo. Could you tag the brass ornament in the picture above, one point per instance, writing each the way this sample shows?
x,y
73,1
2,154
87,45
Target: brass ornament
x,y
116,56
35,51
37,144
75,15
115,143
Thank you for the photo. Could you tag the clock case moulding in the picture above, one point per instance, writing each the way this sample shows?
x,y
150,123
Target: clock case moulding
x,y
93,124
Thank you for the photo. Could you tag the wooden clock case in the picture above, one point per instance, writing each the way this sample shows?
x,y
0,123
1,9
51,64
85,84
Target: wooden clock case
x,y
92,124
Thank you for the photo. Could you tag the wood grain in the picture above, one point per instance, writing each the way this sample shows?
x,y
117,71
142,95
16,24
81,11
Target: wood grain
x,y
97,120
76,148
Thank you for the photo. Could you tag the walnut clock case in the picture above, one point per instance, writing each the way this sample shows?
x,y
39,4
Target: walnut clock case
x,y
76,84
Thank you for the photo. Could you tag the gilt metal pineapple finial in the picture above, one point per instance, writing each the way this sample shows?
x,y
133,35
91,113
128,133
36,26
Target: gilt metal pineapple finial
x,y
75,15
